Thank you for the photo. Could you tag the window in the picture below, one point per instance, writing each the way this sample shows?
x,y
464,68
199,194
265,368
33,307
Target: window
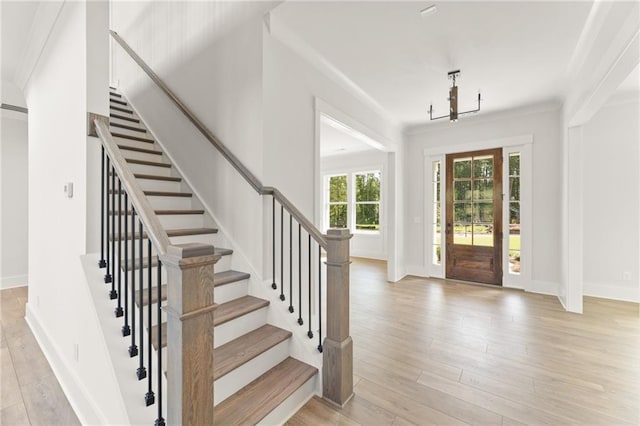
x,y
352,201
514,213
437,237
338,201
368,201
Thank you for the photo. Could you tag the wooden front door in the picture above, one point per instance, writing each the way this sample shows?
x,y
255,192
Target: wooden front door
x,y
474,216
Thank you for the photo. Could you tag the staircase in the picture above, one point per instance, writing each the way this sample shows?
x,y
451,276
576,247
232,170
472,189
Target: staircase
x,y
255,378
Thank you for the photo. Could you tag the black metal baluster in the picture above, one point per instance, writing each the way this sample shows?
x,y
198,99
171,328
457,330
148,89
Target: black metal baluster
x,y
141,372
107,276
149,398
299,275
113,293
133,349
160,419
118,311
125,328
290,263
310,333
281,252
273,221
319,298
103,213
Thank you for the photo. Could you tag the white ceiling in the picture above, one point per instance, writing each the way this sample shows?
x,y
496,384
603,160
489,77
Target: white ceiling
x,y
17,18
516,53
338,139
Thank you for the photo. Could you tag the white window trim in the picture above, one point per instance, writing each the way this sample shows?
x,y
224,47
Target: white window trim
x,y
522,144
351,197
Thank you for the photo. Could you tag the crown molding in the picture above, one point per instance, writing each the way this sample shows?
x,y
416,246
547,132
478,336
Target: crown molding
x,y
44,20
279,30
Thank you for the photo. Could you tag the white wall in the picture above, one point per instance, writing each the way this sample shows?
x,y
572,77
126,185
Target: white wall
x,y
544,124
60,310
14,195
293,88
611,231
363,244
222,86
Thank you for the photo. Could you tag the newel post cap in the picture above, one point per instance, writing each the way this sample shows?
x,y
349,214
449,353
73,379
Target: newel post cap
x,y
339,234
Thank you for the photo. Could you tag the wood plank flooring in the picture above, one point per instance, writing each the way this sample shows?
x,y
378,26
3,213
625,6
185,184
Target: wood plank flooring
x,y
435,352
30,392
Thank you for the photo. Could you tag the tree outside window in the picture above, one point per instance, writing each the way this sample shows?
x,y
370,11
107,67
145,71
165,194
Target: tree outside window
x,y
338,201
367,201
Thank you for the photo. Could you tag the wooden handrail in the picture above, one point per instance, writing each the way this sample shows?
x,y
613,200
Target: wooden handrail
x,y
155,231
226,153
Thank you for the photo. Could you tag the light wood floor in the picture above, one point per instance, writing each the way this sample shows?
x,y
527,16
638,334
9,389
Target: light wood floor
x,y
435,352
29,391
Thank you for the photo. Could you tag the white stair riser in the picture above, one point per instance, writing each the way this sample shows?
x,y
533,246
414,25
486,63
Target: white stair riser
x,y
154,316
149,170
113,120
235,380
233,329
117,111
159,185
177,221
228,292
136,144
202,238
170,203
292,404
224,264
124,131
126,153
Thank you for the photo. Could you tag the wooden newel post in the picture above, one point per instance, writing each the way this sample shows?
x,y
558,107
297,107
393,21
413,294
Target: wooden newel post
x,y
337,362
189,311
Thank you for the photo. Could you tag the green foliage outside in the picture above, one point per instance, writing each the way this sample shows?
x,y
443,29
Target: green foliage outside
x,y
367,208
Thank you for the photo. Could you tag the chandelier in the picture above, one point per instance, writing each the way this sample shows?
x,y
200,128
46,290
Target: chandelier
x,y
453,101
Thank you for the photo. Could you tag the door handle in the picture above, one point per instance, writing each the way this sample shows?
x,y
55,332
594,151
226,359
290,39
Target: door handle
x,y
448,228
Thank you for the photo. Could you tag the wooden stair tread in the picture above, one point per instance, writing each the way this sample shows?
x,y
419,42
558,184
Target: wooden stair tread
x,y
228,277
239,351
121,109
150,193
163,212
154,177
168,194
147,163
218,251
222,314
173,233
136,149
253,402
219,278
122,117
118,101
117,95
237,308
133,138
125,126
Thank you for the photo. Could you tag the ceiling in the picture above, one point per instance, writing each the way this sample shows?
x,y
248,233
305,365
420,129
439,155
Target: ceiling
x,y
515,53
631,83
338,139
17,18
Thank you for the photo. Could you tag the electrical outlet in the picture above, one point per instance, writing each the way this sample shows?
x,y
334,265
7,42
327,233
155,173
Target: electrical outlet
x,y
626,276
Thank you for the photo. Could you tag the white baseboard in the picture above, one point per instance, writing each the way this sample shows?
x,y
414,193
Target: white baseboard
x,y
87,410
376,255
13,281
542,287
418,271
626,293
